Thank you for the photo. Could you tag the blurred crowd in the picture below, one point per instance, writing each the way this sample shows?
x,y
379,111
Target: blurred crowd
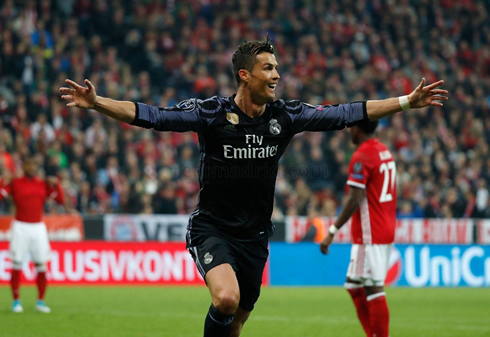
x,y
329,52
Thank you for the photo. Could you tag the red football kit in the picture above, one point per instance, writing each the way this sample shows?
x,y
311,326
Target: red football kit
x,y
373,168
29,195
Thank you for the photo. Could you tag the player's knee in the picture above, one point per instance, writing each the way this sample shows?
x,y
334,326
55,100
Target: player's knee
x,y
41,267
227,301
352,284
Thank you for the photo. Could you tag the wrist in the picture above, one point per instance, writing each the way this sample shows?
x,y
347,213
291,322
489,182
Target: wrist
x,y
94,106
332,230
404,102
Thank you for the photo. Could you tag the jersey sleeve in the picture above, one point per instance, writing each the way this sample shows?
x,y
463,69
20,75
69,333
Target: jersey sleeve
x,y
182,117
306,117
56,193
358,174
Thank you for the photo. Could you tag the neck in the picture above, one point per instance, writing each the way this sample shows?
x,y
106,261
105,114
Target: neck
x,y
364,138
243,100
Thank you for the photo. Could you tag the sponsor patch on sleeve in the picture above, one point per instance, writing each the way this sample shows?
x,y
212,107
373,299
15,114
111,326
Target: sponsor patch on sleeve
x,y
357,176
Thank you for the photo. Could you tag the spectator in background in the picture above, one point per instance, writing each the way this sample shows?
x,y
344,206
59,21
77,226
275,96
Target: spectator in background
x,y
162,56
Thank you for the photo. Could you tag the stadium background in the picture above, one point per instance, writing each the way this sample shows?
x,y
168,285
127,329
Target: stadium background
x,y
161,52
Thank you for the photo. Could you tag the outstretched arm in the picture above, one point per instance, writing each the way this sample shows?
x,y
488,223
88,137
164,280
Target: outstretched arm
x,y
86,98
421,97
182,117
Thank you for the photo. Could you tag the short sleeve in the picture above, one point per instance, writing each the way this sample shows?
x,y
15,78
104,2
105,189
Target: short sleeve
x,y
306,117
358,174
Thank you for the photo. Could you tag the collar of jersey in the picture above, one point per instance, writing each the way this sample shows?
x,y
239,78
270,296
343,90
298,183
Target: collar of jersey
x,y
231,99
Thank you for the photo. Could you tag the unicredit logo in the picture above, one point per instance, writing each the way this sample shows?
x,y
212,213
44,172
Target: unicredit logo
x,y
439,265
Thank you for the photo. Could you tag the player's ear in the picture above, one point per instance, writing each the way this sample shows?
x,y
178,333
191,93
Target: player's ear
x,y
244,75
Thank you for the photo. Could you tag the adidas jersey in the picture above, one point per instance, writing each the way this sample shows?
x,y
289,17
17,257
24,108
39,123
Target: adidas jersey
x,y
372,168
239,155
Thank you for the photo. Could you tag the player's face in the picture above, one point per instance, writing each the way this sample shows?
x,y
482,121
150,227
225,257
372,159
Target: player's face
x,y
264,78
30,168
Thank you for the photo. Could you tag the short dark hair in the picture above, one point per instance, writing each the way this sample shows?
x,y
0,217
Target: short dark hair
x,y
367,126
245,55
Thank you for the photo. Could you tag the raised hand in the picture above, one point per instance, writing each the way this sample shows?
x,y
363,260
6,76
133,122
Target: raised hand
x,y
429,95
78,96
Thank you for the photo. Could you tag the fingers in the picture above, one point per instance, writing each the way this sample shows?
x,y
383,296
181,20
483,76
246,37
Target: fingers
x,y
434,85
67,90
439,98
436,104
439,92
422,83
74,85
89,84
71,105
324,249
67,97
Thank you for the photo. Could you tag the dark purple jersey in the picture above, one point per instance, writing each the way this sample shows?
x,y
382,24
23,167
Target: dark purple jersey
x,y
239,155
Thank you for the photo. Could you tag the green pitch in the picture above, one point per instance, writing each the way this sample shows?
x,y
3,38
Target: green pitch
x,y
280,312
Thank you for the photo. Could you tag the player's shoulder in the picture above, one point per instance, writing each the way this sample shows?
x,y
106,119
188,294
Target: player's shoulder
x,y
291,106
207,108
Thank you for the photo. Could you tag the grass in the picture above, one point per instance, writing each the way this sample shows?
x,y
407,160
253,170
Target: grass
x,y
280,312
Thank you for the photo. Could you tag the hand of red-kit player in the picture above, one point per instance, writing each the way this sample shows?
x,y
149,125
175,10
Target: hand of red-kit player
x,y
428,95
51,181
78,96
325,244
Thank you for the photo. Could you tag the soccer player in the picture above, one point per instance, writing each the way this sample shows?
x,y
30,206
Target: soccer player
x,y
29,233
371,203
241,140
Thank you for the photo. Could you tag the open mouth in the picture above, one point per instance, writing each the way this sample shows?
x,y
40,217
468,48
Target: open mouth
x,y
272,86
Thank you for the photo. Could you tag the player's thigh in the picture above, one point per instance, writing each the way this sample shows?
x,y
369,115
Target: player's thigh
x,y
251,260
355,271
376,264
223,285
40,249
217,265
19,242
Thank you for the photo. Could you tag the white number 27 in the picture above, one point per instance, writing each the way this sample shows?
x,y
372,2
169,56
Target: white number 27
x,y
389,170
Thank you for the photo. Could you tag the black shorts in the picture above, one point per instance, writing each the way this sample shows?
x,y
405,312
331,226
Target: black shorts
x,y
247,258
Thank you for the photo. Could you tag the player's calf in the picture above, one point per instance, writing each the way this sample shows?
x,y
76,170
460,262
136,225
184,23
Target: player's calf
x,y
378,311
356,291
241,316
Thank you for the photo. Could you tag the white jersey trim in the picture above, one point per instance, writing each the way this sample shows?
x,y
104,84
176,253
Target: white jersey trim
x,y
375,296
356,184
367,237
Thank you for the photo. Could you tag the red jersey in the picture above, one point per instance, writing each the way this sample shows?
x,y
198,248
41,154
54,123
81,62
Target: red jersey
x,y
372,168
29,195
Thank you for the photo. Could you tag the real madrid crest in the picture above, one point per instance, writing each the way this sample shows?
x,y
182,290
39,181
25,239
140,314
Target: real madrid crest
x,y
274,127
232,118
208,258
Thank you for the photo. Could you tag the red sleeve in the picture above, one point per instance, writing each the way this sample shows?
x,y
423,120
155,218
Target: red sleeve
x,y
57,193
358,170
5,190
